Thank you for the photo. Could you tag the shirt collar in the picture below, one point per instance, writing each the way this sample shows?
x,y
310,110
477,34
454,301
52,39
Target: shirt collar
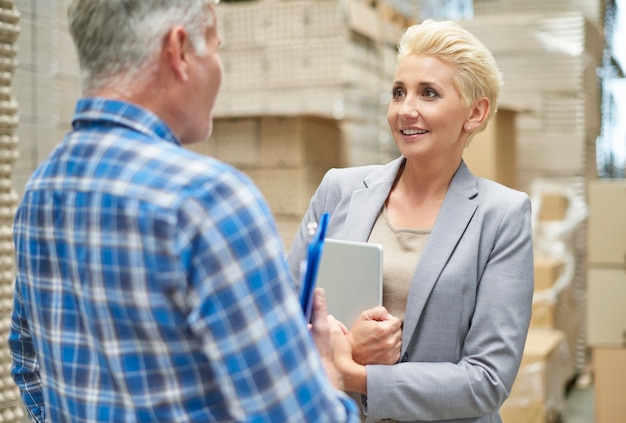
x,y
96,111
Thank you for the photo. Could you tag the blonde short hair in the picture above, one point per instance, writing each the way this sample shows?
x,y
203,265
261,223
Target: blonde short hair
x,y
476,72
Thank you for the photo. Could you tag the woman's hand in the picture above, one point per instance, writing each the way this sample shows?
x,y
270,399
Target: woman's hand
x,y
376,337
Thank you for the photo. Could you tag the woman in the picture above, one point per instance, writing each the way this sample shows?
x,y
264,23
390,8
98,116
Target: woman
x,y
458,260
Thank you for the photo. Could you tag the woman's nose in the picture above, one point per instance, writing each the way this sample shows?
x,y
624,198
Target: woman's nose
x,y
409,108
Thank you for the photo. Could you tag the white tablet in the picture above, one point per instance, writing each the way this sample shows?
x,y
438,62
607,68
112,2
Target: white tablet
x,y
351,273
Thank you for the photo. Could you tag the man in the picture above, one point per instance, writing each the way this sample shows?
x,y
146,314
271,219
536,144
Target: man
x,y
151,282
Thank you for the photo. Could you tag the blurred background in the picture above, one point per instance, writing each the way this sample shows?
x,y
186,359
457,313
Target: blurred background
x,y
306,88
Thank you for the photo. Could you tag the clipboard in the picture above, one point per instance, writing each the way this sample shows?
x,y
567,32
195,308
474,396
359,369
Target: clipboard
x,y
310,266
351,273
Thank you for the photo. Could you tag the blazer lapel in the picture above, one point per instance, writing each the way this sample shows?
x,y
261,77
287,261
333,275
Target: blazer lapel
x,y
455,214
361,213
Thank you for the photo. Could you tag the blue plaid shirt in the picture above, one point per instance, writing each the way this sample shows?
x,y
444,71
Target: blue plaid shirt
x,y
152,286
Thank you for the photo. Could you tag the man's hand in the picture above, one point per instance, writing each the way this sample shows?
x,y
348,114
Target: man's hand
x,y
321,331
354,375
376,337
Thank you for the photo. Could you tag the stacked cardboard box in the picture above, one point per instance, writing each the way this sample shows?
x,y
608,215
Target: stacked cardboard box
x,y
549,289
560,210
537,395
306,85
591,9
492,154
312,58
609,366
549,63
606,314
558,213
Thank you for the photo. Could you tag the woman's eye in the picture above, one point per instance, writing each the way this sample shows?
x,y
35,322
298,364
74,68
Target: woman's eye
x,y
430,93
397,92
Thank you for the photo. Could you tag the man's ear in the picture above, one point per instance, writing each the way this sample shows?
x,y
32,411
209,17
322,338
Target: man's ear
x,y
176,51
479,112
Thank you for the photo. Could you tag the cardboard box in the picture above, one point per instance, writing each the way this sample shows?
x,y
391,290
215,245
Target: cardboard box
x,y
607,222
492,153
549,301
538,391
544,314
286,157
553,207
606,307
609,365
300,140
560,310
547,271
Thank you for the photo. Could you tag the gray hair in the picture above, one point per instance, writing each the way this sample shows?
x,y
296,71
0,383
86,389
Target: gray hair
x,y
118,40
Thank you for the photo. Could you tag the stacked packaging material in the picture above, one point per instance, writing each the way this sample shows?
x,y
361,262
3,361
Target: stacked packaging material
x,y
591,9
549,64
287,58
559,214
321,58
306,85
10,405
606,290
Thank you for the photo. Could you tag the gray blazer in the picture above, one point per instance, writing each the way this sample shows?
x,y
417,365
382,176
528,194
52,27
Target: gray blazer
x,y
470,301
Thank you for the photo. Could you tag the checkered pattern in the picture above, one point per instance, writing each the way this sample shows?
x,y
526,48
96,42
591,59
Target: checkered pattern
x,y
152,287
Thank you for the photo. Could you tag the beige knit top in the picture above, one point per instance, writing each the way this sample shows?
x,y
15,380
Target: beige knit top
x,y
402,248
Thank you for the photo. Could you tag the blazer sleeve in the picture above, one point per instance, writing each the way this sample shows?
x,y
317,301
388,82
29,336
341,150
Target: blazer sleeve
x,y
298,249
492,349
